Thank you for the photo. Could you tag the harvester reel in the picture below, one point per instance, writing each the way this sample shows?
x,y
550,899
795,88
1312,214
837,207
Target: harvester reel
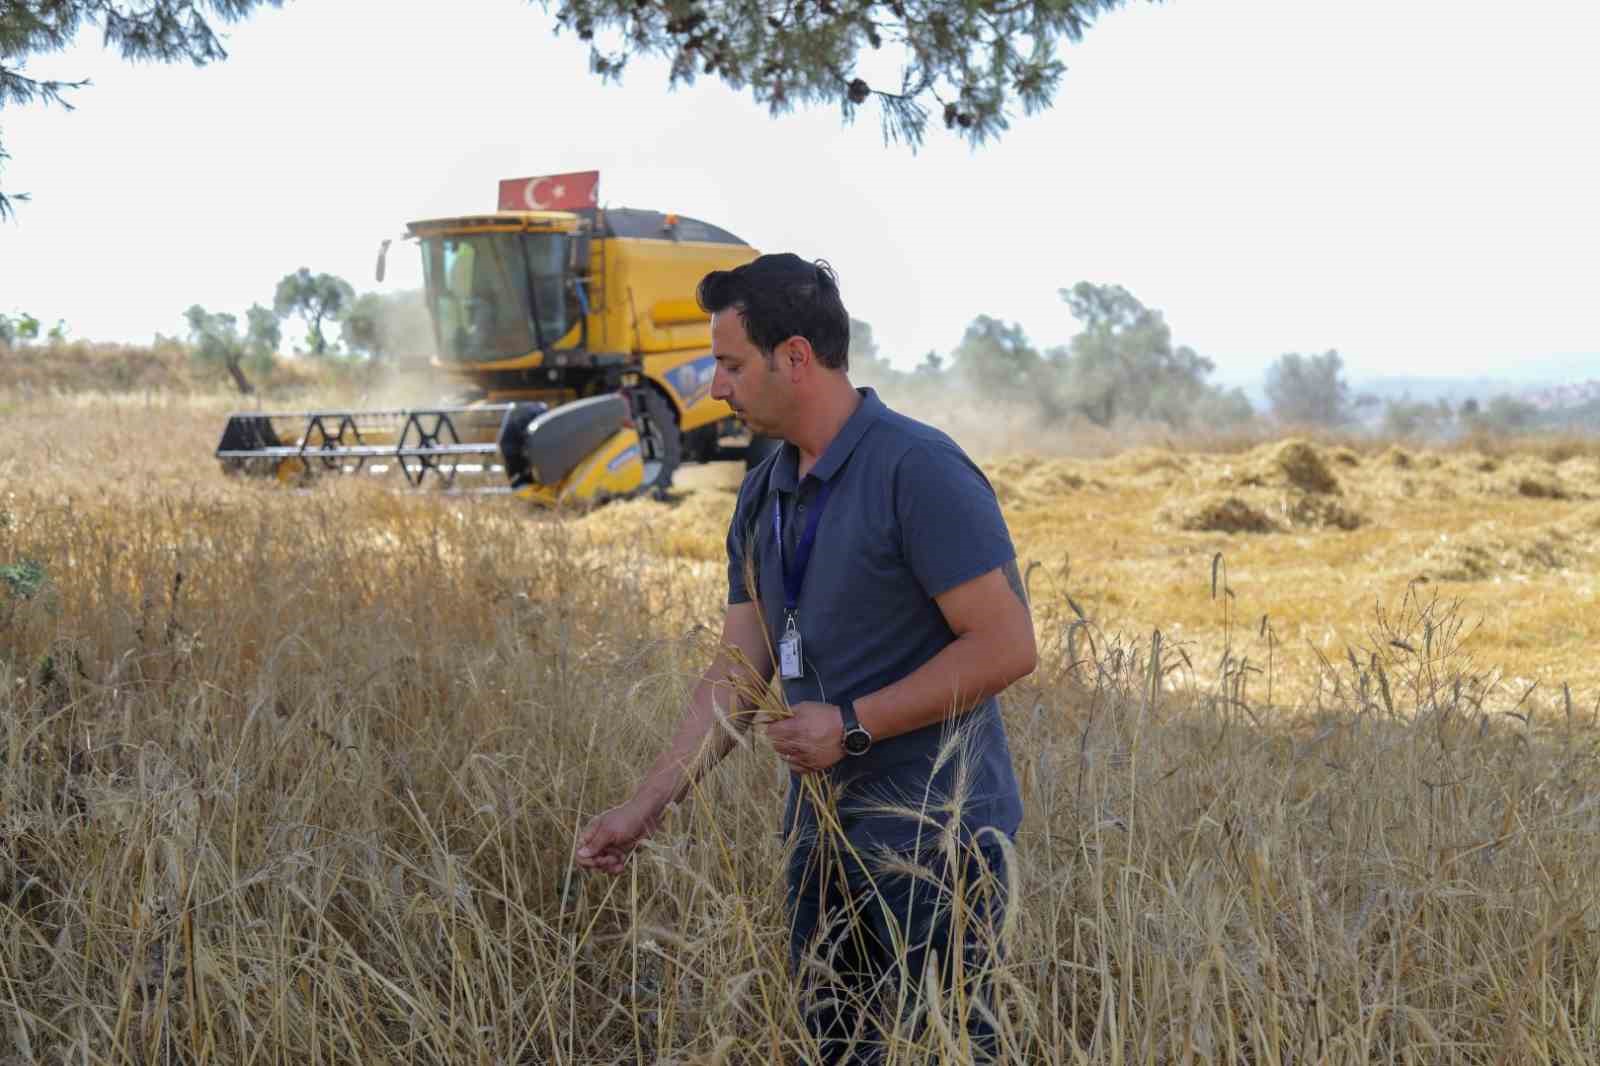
x,y
346,434
418,434
439,439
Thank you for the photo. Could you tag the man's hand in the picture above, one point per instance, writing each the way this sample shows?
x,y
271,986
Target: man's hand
x,y
812,740
605,844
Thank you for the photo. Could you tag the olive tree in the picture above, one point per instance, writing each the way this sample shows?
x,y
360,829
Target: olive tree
x,y
1309,389
317,298
215,337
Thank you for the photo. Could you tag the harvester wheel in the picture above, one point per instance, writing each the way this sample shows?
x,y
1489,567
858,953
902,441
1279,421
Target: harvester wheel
x,y
659,440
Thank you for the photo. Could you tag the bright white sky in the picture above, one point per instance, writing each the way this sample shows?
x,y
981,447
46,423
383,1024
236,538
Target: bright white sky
x,y
1411,183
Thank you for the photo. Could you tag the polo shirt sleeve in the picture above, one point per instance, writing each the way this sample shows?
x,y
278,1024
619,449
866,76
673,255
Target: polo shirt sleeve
x,y
741,534
951,528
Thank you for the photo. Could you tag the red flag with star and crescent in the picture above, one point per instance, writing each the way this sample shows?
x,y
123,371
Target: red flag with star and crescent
x,y
551,192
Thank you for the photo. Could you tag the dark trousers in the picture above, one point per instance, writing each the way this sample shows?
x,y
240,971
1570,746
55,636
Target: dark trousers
x,y
859,947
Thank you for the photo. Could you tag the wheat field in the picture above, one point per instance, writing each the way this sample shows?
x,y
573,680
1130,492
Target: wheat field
x,y
1309,763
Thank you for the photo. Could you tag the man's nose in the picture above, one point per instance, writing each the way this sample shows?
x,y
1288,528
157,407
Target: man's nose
x,y
719,385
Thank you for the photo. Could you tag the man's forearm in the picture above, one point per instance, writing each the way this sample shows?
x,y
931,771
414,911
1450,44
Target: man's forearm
x,y
699,743
965,673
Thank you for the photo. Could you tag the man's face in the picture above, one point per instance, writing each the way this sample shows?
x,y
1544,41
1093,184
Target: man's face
x,y
757,392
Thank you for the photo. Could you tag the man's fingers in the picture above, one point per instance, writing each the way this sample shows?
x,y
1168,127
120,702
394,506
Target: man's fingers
x,y
592,843
608,860
598,838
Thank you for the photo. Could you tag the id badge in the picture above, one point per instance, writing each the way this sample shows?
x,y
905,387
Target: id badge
x,y
791,665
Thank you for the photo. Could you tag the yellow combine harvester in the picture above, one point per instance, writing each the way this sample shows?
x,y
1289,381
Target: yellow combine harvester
x,y
575,329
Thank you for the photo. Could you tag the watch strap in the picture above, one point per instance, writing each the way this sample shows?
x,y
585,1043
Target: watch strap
x,y
856,739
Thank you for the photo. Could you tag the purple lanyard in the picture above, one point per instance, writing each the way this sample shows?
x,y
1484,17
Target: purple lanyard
x,y
792,579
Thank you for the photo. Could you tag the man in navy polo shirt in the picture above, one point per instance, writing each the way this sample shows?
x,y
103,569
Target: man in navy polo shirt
x,y
870,569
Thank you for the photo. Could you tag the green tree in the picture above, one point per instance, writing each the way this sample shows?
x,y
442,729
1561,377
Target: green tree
x,y
215,338
161,30
997,361
970,62
361,327
388,326
316,298
1404,418
1309,389
1123,365
1506,414
866,360
18,327
263,335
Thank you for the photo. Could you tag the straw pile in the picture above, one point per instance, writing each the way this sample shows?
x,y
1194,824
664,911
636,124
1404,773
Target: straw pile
x,y
1271,489
1220,513
1147,468
1294,464
1397,474
1533,478
1489,551
1032,481
1486,551
1394,457
1344,457
1582,471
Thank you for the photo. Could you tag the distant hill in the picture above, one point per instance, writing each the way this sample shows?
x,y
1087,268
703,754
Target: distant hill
x,y
1559,396
1522,378
1432,390
1572,395
1565,391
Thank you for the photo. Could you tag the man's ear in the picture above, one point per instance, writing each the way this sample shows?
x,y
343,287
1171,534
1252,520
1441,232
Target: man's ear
x,y
797,352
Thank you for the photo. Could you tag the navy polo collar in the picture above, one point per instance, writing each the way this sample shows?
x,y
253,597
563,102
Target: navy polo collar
x,y
838,450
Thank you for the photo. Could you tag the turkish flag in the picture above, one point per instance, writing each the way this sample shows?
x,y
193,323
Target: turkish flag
x,y
551,192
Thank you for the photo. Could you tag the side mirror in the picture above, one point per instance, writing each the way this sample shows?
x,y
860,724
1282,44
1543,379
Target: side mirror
x,y
383,255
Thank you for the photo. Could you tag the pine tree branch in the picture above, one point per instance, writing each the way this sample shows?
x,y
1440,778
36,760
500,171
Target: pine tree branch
x,y
974,58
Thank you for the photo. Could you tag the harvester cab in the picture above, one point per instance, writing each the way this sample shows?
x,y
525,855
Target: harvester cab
x,y
573,330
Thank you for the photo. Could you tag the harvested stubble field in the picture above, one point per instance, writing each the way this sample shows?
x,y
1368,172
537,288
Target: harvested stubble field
x,y
296,776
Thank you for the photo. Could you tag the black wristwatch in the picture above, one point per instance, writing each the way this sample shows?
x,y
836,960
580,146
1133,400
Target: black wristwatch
x,y
856,739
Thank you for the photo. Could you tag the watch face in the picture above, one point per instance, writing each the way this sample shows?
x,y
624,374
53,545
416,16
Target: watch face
x,y
857,741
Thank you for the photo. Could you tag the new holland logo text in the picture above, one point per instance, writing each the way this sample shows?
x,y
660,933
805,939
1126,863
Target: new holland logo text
x,y
692,381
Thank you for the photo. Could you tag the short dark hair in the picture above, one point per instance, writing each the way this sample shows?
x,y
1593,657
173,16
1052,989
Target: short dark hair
x,y
781,296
